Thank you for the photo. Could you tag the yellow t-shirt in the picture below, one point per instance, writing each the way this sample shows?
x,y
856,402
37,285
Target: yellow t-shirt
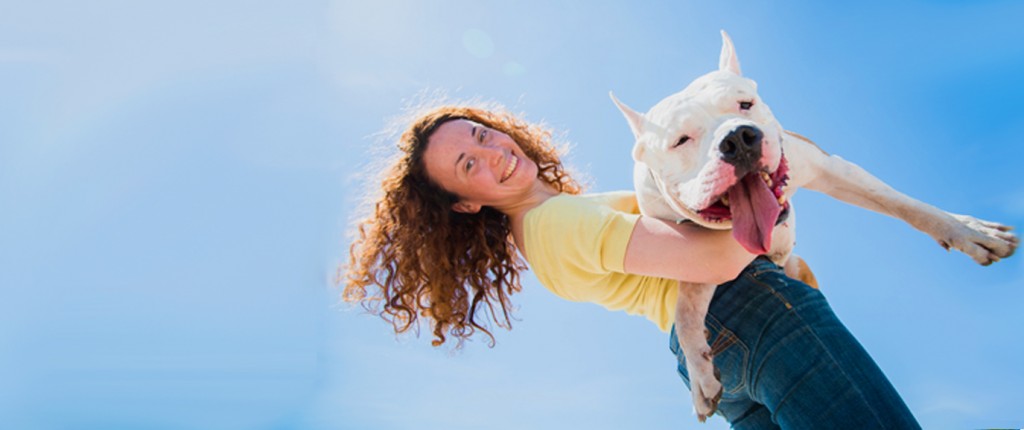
x,y
576,245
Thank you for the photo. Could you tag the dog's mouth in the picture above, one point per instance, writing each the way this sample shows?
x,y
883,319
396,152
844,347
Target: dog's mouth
x,y
755,204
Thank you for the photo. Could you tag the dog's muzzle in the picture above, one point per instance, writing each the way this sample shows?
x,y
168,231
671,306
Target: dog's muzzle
x,y
742,149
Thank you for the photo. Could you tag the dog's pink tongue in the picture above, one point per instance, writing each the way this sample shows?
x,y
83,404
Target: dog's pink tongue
x,y
755,209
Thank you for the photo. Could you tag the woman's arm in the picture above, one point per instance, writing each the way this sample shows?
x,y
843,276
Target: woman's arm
x,y
684,252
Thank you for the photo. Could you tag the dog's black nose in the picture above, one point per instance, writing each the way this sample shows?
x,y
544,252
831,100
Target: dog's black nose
x,y
742,148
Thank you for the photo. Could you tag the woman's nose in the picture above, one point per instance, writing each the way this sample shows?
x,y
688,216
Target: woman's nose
x,y
494,155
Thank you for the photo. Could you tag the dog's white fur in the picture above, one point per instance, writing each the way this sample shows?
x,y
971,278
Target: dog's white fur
x,y
676,180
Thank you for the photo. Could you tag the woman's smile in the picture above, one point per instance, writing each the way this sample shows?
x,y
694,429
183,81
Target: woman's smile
x,y
510,167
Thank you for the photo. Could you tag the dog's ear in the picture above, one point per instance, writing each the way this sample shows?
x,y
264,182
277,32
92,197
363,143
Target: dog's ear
x,y
634,118
728,61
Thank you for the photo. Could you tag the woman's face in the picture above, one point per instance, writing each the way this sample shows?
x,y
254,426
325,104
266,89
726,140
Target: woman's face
x,y
480,165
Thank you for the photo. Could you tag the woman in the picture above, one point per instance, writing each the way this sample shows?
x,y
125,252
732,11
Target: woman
x,y
471,187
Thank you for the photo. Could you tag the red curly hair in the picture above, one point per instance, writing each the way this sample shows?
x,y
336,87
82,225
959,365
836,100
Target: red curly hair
x,y
413,256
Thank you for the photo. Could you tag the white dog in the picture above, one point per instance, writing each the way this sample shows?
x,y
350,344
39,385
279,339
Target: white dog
x,y
713,154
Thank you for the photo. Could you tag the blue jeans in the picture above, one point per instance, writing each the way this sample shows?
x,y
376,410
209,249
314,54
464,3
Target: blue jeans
x,y
786,360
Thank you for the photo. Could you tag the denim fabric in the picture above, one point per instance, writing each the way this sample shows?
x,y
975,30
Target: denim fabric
x,y
787,362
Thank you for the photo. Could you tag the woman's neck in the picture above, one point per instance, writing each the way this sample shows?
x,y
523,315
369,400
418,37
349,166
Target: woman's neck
x,y
539,194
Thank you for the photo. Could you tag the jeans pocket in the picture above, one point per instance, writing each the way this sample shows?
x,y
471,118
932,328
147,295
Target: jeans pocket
x,y
730,356
729,353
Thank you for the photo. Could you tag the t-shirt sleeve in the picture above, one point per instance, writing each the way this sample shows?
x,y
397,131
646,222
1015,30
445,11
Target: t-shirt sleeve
x,y
576,246
613,237
579,234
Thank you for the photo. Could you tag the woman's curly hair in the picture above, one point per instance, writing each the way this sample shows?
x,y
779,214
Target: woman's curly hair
x,y
419,258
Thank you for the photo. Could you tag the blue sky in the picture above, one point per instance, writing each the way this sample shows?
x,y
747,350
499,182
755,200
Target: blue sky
x,y
176,180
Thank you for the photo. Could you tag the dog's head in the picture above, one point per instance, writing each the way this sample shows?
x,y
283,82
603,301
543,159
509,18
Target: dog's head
x,y
714,152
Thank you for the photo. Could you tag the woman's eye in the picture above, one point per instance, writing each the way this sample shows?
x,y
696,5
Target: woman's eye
x,y
746,105
483,134
470,163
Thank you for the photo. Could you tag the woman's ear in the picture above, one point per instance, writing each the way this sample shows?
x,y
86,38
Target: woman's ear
x,y
466,208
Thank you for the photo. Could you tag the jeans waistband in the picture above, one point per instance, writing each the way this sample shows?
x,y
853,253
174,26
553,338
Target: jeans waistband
x,y
760,265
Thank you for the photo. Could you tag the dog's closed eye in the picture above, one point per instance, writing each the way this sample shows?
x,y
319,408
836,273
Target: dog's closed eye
x,y
681,141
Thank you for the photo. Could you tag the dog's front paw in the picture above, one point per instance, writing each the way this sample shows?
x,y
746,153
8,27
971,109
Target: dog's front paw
x,y
985,241
705,386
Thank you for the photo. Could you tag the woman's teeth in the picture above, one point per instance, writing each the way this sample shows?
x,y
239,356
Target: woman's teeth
x,y
509,168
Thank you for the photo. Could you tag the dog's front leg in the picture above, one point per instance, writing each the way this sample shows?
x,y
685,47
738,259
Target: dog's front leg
x,y
691,309
984,241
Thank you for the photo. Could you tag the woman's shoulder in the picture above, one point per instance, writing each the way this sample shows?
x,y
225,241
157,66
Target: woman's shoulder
x,y
585,231
580,218
621,201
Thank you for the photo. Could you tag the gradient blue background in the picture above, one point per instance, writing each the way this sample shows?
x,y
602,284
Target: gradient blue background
x,y
176,180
